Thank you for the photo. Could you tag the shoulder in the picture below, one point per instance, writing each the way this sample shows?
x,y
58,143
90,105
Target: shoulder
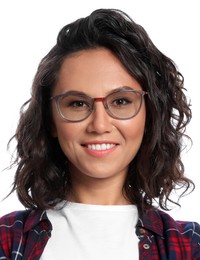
x,y
185,228
12,222
187,231
11,228
155,218
13,217
15,227
16,218
23,219
177,234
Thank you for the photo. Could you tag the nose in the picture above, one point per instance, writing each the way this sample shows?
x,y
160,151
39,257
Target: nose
x,y
100,122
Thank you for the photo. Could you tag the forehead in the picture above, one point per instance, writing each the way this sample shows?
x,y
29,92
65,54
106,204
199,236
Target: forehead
x,y
93,71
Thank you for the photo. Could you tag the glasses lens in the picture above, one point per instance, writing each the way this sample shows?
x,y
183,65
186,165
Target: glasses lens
x,y
124,104
75,107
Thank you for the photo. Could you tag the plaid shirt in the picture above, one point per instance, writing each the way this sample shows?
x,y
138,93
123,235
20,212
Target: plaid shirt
x,y
24,234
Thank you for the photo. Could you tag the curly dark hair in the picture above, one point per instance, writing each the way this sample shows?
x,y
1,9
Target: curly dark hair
x,y
42,176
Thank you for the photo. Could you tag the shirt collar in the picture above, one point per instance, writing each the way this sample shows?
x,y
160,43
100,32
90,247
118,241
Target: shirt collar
x,y
151,220
35,217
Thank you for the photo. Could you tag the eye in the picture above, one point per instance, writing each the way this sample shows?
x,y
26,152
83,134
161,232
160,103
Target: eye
x,y
77,104
74,103
121,101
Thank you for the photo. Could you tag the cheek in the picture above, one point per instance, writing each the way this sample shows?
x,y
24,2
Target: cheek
x,y
134,128
66,137
66,132
133,136
61,129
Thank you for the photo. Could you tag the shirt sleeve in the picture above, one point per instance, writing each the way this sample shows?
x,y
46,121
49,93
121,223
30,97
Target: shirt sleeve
x,y
195,240
7,224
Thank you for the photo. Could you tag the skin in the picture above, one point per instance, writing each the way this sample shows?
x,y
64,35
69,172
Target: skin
x,y
97,176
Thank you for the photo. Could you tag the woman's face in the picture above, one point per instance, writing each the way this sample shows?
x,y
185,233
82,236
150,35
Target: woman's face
x,y
97,73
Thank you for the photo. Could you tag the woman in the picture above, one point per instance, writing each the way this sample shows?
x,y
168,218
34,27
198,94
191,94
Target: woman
x,y
98,142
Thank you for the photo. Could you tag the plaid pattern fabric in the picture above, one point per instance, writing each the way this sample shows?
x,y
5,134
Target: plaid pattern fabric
x,y
161,237
24,234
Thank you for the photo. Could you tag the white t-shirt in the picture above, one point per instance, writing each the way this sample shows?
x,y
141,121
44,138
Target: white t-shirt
x,y
92,232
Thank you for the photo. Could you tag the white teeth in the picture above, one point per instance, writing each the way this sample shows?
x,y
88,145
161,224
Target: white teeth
x,y
100,147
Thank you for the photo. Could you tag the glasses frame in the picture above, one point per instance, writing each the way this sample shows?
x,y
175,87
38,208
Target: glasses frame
x,y
97,99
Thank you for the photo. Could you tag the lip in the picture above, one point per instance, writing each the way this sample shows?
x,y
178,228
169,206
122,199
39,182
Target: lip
x,y
100,153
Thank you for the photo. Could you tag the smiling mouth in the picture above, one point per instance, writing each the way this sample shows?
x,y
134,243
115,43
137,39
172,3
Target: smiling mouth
x,y
100,147
97,149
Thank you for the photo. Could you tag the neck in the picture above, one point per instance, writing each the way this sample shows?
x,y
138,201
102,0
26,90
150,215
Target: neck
x,y
97,191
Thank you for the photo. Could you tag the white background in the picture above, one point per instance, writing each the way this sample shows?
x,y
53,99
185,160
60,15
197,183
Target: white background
x,y
28,29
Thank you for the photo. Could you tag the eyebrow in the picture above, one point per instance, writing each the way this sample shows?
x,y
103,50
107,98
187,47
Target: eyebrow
x,y
81,93
120,89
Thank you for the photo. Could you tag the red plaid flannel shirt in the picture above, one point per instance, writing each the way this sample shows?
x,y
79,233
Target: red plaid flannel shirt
x,y
24,234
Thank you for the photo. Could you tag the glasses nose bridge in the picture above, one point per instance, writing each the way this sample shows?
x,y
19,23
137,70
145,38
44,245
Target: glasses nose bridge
x,y
100,99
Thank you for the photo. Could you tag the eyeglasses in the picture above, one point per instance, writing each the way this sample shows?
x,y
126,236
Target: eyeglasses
x,y
74,106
